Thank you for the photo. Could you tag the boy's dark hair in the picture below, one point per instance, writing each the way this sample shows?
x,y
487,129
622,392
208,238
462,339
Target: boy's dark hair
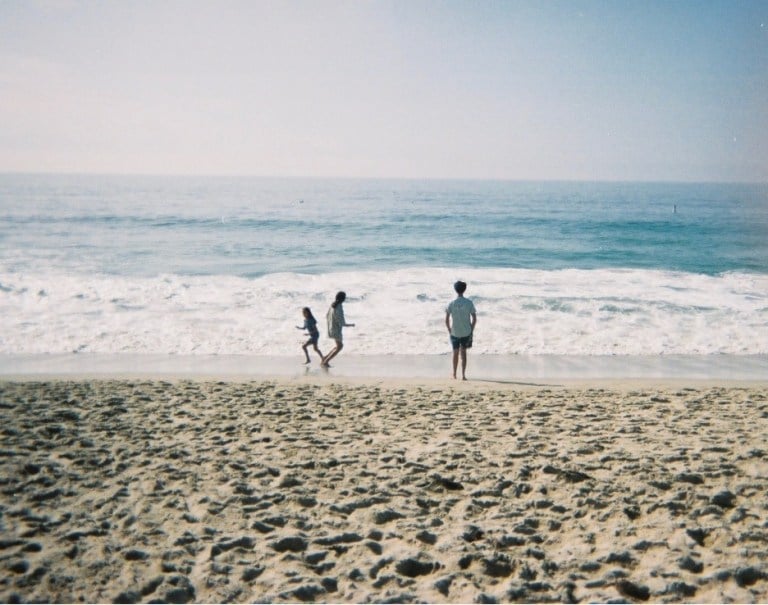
x,y
340,298
460,287
308,311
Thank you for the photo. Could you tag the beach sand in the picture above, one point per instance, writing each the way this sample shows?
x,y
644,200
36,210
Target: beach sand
x,y
279,490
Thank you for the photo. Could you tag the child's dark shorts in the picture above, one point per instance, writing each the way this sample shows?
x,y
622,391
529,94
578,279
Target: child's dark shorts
x,y
313,337
463,342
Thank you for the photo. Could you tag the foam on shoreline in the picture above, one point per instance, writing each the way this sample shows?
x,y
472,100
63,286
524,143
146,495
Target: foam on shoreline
x,y
596,312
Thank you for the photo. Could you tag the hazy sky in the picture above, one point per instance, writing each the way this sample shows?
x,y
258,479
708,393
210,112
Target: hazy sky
x,y
628,90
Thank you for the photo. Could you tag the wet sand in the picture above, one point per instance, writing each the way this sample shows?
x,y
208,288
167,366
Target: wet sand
x,y
309,490
499,368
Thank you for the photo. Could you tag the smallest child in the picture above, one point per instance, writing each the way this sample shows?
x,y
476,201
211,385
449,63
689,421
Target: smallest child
x,y
310,325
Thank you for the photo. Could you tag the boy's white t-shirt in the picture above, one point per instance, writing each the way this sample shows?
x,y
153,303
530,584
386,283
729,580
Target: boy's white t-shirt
x,y
460,310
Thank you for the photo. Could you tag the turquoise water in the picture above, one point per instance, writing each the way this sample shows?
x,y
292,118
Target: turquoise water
x,y
251,227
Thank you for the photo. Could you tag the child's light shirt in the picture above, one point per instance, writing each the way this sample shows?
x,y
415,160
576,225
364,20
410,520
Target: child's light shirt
x,y
460,310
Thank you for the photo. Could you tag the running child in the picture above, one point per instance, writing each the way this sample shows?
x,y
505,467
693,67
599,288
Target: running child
x,y
310,325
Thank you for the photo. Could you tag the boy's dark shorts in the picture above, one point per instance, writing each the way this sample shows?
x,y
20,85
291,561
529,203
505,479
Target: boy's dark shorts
x,y
463,342
314,337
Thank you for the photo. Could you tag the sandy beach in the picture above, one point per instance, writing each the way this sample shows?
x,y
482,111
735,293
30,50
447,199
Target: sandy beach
x,y
301,490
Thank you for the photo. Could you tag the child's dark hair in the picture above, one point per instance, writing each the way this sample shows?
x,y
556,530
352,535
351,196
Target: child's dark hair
x,y
460,287
308,312
340,298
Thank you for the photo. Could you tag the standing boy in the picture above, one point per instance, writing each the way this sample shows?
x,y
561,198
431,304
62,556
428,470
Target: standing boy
x,y
460,320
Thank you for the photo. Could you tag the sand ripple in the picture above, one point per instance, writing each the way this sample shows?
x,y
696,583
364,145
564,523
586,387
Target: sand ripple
x,y
134,491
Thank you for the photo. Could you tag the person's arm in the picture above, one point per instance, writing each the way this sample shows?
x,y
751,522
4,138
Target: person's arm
x,y
448,321
473,320
343,320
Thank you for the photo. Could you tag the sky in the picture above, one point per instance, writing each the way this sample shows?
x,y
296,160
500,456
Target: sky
x,y
638,90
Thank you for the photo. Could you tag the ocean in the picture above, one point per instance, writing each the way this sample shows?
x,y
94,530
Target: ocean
x,y
223,266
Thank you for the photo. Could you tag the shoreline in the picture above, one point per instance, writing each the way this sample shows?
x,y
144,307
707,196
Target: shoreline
x,y
520,370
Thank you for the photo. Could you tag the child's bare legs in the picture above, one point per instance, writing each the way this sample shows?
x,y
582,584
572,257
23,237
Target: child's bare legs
x,y
305,346
460,352
336,350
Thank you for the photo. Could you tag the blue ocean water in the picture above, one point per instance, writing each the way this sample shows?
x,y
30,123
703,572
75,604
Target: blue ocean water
x,y
90,263
250,227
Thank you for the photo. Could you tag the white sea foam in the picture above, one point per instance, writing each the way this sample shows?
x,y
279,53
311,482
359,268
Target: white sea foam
x,y
533,312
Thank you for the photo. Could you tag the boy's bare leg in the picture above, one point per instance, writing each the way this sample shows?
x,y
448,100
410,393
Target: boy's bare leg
x,y
319,353
463,364
455,361
306,353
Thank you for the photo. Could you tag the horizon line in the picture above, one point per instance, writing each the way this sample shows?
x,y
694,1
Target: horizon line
x,y
376,178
